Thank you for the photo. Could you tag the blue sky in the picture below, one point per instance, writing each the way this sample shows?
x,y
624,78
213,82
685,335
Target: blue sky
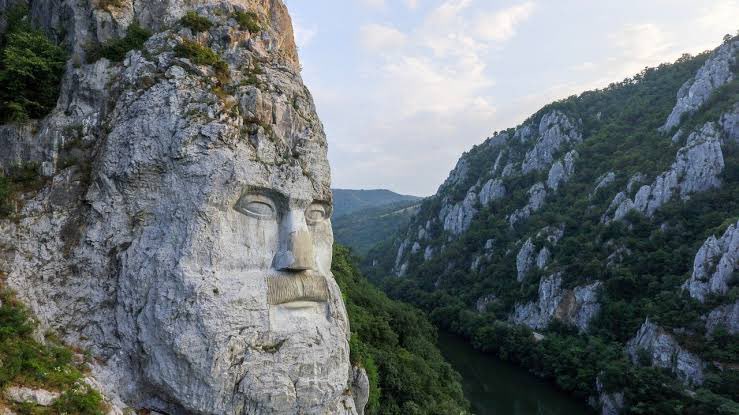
x,y
404,87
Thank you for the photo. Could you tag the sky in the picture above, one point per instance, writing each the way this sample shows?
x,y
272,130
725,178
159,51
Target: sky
x,y
404,87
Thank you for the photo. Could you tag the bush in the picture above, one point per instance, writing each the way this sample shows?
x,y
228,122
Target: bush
x,y
115,50
248,21
47,366
5,197
202,55
31,69
195,22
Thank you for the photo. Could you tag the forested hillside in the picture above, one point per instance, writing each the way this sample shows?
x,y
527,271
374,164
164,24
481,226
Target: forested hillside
x,y
597,243
347,201
395,344
365,228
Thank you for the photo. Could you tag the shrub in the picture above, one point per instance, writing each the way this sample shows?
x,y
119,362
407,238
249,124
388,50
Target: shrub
x,y
202,55
5,194
31,69
115,50
248,21
195,22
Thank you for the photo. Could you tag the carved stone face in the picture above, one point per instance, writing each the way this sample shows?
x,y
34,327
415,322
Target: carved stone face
x,y
225,285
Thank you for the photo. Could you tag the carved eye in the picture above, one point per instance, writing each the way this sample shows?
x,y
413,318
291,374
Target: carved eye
x,y
316,213
258,207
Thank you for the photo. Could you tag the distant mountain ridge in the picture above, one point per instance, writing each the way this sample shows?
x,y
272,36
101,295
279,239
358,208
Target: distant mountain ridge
x,y
349,200
364,228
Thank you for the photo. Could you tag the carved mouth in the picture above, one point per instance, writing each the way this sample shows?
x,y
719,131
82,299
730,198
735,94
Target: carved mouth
x,y
296,288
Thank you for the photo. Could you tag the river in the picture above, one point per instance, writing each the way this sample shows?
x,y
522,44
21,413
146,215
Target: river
x,y
495,387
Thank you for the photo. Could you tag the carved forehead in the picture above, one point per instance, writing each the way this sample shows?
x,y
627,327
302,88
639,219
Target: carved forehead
x,y
292,182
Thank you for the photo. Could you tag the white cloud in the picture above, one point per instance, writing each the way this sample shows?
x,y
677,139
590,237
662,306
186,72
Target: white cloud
x,y
375,4
501,26
379,38
303,35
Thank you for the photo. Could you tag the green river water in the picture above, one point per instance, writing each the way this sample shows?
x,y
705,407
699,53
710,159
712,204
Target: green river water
x,y
495,387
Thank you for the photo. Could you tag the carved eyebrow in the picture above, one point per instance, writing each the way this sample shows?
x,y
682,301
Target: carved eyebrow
x,y
279,198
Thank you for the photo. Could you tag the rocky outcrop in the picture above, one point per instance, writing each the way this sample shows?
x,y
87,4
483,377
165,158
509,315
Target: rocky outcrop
x,y
537,194
576,306
662,350
360,388
714,265
525,259
730,123
482,303
205,192
726,317
562,170
492,190
555,131
457,218
717,71
697,168
41,397
602,182
609,403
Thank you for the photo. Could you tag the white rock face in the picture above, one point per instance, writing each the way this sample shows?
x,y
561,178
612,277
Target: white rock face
x,y
193,261
555,131
602,182
730,123
537,194
725,316
714,265
609,403
492,190
40,397
697,168
665,352
562,170
458,218
577,307
524,260
695,92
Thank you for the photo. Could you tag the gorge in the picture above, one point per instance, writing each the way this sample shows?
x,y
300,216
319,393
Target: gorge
x,y
167,245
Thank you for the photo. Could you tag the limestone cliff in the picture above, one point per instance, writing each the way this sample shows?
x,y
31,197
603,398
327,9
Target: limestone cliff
x,y
186,184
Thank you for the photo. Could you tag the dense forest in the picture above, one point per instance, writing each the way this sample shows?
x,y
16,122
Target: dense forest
x,y
395,343
575,313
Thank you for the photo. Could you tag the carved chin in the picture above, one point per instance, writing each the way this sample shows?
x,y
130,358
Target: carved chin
x,y
304,287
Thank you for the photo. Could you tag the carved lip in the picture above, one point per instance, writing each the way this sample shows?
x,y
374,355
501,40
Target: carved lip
x,y
303,287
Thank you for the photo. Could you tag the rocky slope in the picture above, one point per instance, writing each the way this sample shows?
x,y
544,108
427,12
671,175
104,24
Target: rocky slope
x,y
150,239
597,213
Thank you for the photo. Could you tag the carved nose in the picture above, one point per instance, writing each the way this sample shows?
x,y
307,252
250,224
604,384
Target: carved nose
x,y
296,253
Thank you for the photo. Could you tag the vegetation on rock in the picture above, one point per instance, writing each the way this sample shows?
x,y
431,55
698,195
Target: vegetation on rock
x,y
202,55
115,50
248,21
49,366
195,22
31,69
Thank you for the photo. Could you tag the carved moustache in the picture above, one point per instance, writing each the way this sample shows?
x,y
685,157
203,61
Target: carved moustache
x,y
300,287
